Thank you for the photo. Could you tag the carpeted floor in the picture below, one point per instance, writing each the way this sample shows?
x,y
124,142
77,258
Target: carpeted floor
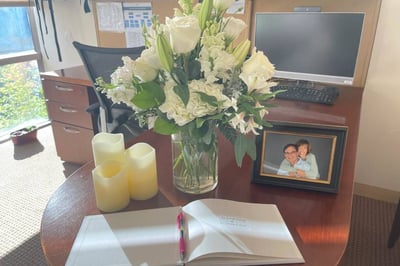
x,y
31,173
369,232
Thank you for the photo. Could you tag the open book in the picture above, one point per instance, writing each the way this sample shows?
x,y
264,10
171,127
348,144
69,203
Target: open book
x,y
217,232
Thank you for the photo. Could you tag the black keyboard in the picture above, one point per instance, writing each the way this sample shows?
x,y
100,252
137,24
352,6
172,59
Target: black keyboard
x,y
325,95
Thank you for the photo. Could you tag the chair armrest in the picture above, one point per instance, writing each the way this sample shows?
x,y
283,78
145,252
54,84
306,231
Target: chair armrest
x,y
94,109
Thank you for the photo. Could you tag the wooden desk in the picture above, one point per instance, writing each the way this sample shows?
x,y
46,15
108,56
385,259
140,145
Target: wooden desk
x,y
319,222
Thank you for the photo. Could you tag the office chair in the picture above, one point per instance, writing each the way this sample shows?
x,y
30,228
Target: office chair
x,y
102,62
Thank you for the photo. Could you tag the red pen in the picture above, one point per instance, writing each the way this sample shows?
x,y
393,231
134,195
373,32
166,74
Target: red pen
x,y
181,226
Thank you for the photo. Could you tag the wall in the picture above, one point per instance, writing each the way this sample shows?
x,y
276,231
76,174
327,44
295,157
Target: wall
x,y
72,23
379,138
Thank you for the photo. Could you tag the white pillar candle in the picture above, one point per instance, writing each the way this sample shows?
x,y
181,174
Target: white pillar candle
x,y
108,146
111,186
143,182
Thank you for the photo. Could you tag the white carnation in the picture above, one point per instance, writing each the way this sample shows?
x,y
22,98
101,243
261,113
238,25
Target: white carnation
x,y
216,63
121,94
123,74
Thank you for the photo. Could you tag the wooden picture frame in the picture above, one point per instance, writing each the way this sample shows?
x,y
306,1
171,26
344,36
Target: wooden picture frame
x,y
319,171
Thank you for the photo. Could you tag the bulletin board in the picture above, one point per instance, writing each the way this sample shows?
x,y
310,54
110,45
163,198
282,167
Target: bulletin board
x,y
114,36
164,8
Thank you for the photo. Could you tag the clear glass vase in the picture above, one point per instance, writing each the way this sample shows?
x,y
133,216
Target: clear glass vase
x,y
195,161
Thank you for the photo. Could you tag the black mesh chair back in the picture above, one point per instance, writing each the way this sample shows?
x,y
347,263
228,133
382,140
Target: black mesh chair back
x,y
102,62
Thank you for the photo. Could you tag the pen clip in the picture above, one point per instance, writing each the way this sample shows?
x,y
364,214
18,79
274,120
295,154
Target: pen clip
x,y
180,220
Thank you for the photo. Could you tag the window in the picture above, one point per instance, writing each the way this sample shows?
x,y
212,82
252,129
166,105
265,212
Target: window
x,y
21,96
16,30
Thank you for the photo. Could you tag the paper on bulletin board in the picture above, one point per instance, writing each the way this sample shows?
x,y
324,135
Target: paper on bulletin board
x,y
110,16
236,8
136,16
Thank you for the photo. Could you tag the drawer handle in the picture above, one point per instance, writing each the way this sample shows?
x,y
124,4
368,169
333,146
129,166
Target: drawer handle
x,y
67,110
71,130
60,88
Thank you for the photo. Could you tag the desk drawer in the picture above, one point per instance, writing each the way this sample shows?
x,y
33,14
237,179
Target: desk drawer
x,y
66,92
70,114
74,143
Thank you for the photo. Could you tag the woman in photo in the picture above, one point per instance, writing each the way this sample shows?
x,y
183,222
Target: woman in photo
x,y
304,154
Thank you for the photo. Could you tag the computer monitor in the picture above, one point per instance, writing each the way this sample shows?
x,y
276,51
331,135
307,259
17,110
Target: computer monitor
x,y
311,46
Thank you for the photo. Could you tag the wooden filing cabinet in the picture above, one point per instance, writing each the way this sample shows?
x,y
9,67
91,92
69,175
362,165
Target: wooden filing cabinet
x,y
68,93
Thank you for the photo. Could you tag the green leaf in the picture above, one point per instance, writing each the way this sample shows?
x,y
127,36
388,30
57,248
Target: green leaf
x,y
264,97
245,97
204,132
199,121
251,148
181,75
209,99
183,92
242,146
229,133
266,124
150,95
164,126
164,52
194,69
205,13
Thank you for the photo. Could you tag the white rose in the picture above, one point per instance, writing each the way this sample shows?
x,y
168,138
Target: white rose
x,y
147,65
260,64
150,56
223,4
256,71
184,33
144,71
233,27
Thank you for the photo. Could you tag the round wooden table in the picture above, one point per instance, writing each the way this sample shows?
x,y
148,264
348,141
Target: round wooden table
x,y
319,222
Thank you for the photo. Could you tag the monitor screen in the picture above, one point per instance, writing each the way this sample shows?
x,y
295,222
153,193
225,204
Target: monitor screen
x,y
311,46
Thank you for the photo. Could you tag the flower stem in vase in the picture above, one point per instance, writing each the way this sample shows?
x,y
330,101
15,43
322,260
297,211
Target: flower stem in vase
x,y
195,162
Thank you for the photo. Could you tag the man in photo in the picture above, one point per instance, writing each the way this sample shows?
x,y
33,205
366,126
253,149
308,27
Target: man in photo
x,y
292,165
296,162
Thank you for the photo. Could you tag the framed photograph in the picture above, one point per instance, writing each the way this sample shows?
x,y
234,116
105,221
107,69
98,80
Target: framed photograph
x,y
304,156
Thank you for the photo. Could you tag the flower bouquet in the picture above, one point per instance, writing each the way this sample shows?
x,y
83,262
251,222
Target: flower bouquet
x,y
193,77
